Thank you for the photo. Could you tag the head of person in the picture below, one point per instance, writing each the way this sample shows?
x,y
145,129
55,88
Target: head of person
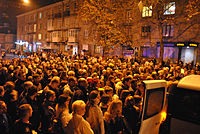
x,y
32,92
28,84
78,95
36,78
63,101
127,81
108,90
2,91
115,108
105,99
11,96
9,85
82,82
55,82
54,72
78,107
71,73
50,95
129,101
22,75
3,108
72,81
94,97
124,94
25,111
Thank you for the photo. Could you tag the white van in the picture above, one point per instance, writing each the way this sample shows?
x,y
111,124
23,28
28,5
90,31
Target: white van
x,y
183,111
153,110
182,107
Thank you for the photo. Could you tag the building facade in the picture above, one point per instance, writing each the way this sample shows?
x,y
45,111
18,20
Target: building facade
x,y
7,35
56,27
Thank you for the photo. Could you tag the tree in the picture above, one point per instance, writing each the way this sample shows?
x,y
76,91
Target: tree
x,y
106,17
163,13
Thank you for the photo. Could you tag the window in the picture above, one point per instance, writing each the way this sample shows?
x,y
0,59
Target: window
x,y
168,31
97,49
146,31
154,102
35,27
39,36
147,11
40,15
86,34
185,105
129,14
169,8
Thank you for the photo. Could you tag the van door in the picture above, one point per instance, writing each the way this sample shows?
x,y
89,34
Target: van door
x,y
153,106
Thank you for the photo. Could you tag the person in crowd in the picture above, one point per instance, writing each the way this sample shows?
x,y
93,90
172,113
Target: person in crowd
x,y
130,113
80,75
105,102
19,83
4,123
31,99
114,120
47,112
94,114
2,91
62,110
22,125
78,125
53,85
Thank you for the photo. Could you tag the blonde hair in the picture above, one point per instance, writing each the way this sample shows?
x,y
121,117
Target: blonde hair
x,y
111,113
77,105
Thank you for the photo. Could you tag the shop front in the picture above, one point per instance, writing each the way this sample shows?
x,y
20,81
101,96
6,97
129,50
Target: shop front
x,y
73,48
184,51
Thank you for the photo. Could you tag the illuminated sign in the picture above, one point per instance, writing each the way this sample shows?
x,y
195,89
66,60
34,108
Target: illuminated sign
x,y
180,44
193,45
20,42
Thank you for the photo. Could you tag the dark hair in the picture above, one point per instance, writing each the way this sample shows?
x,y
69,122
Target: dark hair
x,y
9,85
124,94
62,99
1,89
93,95
78,95
126,79
48,94
32,90
23,110
129,101
105,98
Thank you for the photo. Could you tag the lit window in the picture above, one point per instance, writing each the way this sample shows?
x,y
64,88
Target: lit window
x,y
147,11
35,26
97,49
40,15
39,36
169,8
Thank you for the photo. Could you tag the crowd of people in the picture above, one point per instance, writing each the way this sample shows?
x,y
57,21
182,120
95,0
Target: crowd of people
x,y
59,94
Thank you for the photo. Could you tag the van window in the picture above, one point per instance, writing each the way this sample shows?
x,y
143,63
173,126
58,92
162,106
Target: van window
x,y
185,105
154,102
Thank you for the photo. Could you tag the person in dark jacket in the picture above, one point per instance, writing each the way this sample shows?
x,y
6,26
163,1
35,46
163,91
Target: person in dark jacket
x,y
22,125
130,113
4,125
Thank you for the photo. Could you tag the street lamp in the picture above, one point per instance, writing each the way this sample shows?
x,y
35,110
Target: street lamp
x,y
26,1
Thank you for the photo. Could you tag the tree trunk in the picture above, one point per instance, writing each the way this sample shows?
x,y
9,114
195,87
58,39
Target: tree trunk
x,y
161,42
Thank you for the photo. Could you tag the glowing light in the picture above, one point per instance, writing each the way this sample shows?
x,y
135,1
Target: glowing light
x,y
26,1
164,116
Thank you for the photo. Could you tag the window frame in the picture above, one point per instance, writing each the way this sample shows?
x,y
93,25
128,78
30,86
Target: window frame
x,y
148,92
